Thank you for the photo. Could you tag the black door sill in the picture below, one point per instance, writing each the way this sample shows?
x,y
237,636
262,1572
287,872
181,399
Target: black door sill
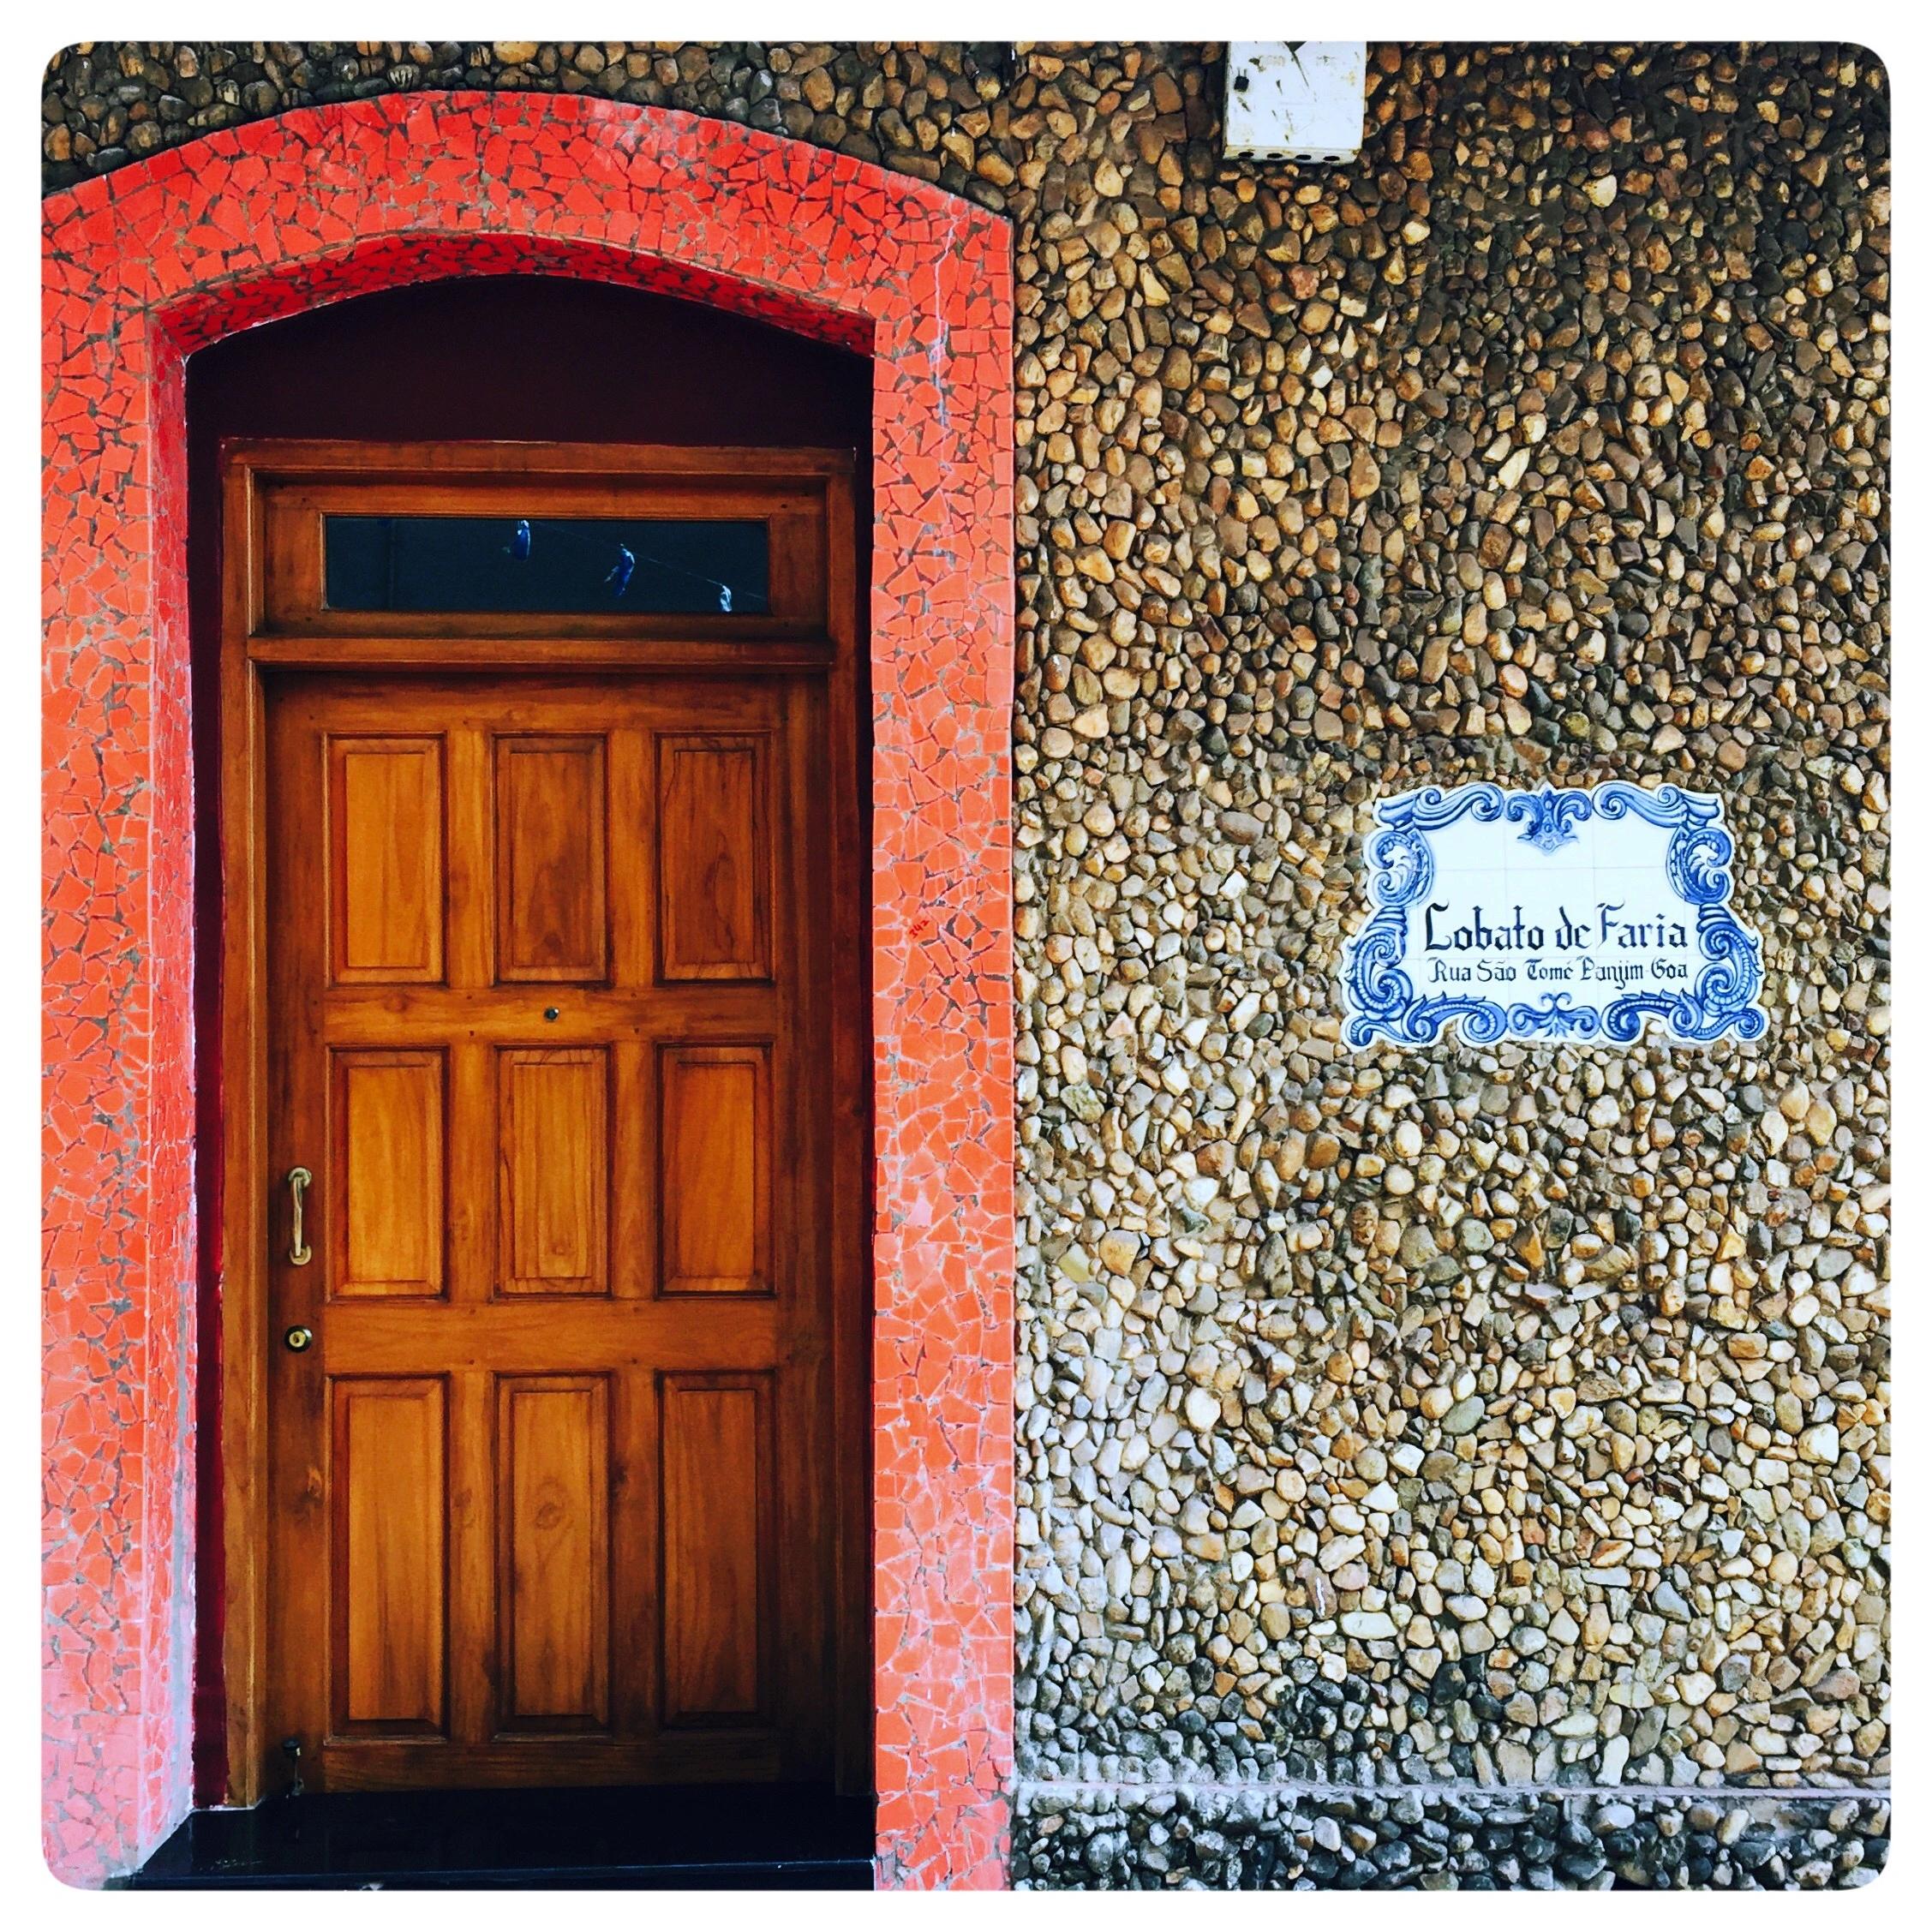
x,y
753,1838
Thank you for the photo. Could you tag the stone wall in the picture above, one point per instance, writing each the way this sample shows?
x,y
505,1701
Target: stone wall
x,y
1511,1420
1427,1839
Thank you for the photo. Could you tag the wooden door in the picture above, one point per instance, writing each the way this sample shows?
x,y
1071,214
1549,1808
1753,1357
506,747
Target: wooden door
x,y
553,1489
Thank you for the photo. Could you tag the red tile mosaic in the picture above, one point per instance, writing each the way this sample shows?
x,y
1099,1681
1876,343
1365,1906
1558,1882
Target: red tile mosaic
x,y
145,265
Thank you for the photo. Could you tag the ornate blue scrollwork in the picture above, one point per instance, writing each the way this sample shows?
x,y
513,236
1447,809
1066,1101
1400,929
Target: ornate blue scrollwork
x,y
1381,996
1553,1016
1550,814
1403,865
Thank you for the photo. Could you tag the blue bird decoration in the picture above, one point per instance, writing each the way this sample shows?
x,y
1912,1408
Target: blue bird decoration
x,y
520,540
724,596
619,577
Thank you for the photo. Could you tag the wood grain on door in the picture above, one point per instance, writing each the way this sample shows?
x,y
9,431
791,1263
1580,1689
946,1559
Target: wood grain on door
x,y
545,1025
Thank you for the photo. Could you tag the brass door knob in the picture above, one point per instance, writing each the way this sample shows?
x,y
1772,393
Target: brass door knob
x,y
299,1338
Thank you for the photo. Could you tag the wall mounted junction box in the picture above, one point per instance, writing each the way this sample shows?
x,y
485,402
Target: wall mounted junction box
x,y
1296,101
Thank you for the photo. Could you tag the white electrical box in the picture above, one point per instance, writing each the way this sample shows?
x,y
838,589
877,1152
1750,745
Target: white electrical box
x,y
1296,101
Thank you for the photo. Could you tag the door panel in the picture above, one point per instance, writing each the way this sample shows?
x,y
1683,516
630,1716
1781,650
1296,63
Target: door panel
x,y
386,839
553,1437
549,1023
556,1194
716,1169
550,858
390,1603
388,1109
717,1485
713,865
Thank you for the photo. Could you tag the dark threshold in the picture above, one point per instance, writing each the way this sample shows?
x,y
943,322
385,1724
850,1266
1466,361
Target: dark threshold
x,y
678,1837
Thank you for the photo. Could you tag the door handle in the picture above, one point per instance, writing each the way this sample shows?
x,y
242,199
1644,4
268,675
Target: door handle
x,y
300,1253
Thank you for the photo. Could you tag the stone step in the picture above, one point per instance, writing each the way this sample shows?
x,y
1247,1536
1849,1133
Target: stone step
x,y
696,1838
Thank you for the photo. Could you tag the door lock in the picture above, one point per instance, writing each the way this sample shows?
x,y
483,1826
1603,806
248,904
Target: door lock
x,y
298,1339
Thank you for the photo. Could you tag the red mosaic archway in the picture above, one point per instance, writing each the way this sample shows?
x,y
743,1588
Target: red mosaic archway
x,y
145,265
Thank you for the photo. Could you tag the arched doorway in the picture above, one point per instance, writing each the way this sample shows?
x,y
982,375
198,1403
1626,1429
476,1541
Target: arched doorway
x,y
600,1598
279,217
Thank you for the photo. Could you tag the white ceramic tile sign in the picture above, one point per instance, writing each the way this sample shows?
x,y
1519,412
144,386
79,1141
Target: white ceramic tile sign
x,y
1550,915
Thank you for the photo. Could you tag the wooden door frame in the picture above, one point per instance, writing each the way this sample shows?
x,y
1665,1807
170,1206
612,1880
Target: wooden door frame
x,y
249,646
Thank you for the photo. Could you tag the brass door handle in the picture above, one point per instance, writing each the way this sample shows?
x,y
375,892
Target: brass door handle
x,y
300,1253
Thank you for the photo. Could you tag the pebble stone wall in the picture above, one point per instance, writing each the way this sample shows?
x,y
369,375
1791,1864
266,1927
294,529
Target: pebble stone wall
x,y
1467,1467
